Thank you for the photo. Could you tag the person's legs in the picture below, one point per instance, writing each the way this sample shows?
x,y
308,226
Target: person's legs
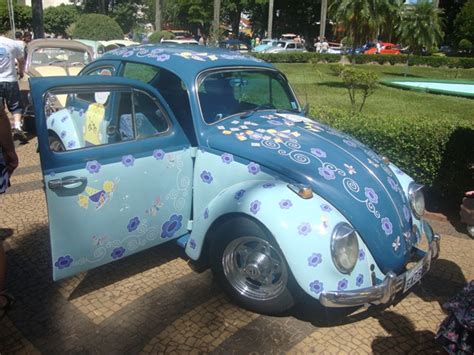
x,y
14,105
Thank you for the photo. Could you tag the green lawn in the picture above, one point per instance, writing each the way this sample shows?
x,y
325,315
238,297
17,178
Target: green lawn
x,y
318,86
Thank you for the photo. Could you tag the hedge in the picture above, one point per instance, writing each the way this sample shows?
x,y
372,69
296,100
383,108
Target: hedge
x,y
306,57
434,151
97,27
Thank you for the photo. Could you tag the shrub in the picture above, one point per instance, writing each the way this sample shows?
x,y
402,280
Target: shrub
x,y
58,18
97,27
156,37
434,151
358,83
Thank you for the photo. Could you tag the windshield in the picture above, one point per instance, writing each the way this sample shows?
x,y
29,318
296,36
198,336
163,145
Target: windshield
x,y
226,93
59,56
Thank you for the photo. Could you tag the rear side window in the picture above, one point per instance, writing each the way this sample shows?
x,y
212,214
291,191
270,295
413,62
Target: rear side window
x,y
142,72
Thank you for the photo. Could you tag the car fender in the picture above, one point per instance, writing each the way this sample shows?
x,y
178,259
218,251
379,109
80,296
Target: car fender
x,y
302,229
63,125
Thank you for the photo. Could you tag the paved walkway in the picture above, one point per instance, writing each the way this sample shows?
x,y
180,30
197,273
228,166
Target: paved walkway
x,y
152,302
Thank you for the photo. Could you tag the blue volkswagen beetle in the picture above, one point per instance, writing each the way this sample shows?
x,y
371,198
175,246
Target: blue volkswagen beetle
x,y
213,150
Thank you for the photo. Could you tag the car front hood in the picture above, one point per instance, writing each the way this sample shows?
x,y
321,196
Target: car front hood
x,y
342,170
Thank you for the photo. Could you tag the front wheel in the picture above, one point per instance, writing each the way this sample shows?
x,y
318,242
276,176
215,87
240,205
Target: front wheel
x,y
251,268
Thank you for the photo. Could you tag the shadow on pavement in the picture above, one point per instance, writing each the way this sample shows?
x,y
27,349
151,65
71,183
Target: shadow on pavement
x,y
403,336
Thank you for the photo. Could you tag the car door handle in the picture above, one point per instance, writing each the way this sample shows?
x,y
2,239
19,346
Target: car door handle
x,y
68,182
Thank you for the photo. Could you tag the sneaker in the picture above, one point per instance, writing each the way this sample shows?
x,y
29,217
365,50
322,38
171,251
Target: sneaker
x,y
20,135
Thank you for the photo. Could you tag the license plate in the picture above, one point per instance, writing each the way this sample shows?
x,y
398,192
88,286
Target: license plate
x,y
414,275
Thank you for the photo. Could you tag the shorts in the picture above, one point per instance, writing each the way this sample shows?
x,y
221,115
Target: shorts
x,y
10,94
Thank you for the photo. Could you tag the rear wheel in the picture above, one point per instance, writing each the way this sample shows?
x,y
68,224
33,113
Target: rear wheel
x,y
251,267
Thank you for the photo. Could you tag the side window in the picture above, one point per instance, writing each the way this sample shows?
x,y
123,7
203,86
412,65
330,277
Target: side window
x,y
103,71
111,117
291,46
142,72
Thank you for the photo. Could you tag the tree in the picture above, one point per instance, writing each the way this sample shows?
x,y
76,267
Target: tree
x,y
37,18
420,27
360,20
465,23
97,27
58,18
157,15
22,17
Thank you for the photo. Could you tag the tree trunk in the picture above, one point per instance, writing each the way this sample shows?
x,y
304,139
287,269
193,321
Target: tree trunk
x,y
37,18
158,15
270,19
216,21
235,20
322,21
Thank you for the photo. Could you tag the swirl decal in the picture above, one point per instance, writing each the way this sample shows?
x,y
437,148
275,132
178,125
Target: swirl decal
x,y
353,189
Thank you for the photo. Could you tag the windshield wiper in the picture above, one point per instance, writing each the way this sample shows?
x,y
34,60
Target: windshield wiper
x,y
249,113
56,61
291,110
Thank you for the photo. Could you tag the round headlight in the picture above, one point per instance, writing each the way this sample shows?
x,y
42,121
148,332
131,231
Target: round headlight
x,y
344,247
417,199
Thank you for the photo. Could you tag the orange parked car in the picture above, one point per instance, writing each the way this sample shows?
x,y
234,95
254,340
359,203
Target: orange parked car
x,y
387,48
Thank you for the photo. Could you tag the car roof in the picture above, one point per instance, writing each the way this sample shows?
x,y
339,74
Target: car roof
x,y
57,43
177,59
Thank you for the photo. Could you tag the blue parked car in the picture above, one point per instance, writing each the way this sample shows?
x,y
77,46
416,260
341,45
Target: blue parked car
x,y
265,44
213,150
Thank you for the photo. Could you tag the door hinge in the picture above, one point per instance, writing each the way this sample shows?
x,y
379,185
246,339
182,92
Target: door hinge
x,y
193,152
190,225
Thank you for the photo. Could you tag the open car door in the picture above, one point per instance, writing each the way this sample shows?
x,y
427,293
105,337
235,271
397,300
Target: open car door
x,y
117,169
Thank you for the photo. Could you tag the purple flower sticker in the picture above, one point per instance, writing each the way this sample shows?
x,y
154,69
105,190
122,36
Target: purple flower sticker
x,y
406,213
392,183
171,226
158,154
239,194
162,58
253,168
325,207
326,173
63,134
285,204
64,119
71,144
387,225
206,177
63,262
350,143
192,244
133,224
361,254
316,286
53,121
206,213
128,160
342,285
227,158
304,228
117,253
359,280
318,152
371,195
127,54
255,206
93,166
315,259
268,185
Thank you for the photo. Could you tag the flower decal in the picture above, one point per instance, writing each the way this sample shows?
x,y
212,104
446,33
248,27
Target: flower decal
x,y
342,285
392,183
361,254
117,253
255,206
133,224
268,185
315,259
192,244
325,207
171,226
128,160
253,168
71,144
63,262
406,213
326,173
387,226
206,177
318,152
158,154
359,280
162,58
285,204
239,194
93,166
227,158
350,169
371,195
316,286
396,244
350,143
206,213
63,134
304,228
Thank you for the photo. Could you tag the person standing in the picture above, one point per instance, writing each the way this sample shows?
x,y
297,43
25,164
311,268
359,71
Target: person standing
x,y
8,163
11,53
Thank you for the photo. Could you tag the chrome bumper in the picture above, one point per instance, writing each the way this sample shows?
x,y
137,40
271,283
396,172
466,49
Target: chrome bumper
x,y
383,293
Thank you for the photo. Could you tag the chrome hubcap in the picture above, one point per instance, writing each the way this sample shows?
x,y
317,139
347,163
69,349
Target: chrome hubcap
x,y
255,268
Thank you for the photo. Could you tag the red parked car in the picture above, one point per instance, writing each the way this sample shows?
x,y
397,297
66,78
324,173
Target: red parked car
x,y
387,48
